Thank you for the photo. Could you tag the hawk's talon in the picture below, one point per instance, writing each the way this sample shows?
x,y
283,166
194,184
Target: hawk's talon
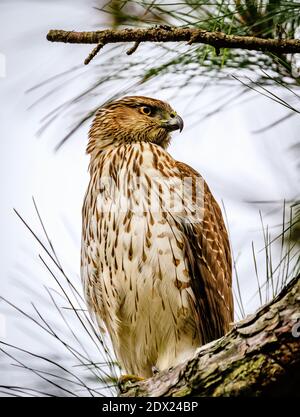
x,y
154,370
128,379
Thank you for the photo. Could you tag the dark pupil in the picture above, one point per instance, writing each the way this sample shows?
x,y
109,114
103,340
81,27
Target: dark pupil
x,y
147,110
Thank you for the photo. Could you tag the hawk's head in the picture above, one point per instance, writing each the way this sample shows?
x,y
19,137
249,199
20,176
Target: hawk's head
x,y
133,119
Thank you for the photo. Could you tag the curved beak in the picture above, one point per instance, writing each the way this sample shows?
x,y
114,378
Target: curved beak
x,y
174,123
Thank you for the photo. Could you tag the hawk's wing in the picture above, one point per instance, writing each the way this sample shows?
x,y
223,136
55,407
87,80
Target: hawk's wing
x,y
209,261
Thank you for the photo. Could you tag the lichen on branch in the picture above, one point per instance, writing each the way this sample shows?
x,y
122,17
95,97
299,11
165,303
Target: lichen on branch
x,y
260,356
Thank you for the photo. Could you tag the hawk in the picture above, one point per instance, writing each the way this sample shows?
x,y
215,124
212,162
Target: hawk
x,y
155,258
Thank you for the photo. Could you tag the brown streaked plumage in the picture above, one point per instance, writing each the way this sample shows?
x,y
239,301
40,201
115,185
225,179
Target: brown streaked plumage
x,y
156,263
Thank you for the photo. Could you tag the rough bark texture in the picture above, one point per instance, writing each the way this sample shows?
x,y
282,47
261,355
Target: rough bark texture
x,y
260,356
173,34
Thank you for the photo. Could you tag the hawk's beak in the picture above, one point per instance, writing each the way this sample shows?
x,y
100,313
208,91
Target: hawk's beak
x,y
174,123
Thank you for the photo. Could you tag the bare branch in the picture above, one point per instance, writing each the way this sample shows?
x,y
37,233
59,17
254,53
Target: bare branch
x,y
172,34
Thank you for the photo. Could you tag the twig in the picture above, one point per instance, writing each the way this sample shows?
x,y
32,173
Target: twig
x,y
93,53
172,34
133,48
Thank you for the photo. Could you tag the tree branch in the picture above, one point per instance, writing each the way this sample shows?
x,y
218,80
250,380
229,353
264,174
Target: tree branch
x,y
260,356
172,34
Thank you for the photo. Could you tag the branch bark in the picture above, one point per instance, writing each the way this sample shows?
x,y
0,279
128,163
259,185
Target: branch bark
x,y
173,34
260,356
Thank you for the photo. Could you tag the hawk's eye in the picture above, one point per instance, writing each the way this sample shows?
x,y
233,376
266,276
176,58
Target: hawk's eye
x,y
146,110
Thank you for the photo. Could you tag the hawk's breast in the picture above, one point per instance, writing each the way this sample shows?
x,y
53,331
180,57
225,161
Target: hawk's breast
x,y
136,274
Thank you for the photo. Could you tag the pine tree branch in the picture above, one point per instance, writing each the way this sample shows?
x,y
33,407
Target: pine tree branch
x,y
260,356
172,34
